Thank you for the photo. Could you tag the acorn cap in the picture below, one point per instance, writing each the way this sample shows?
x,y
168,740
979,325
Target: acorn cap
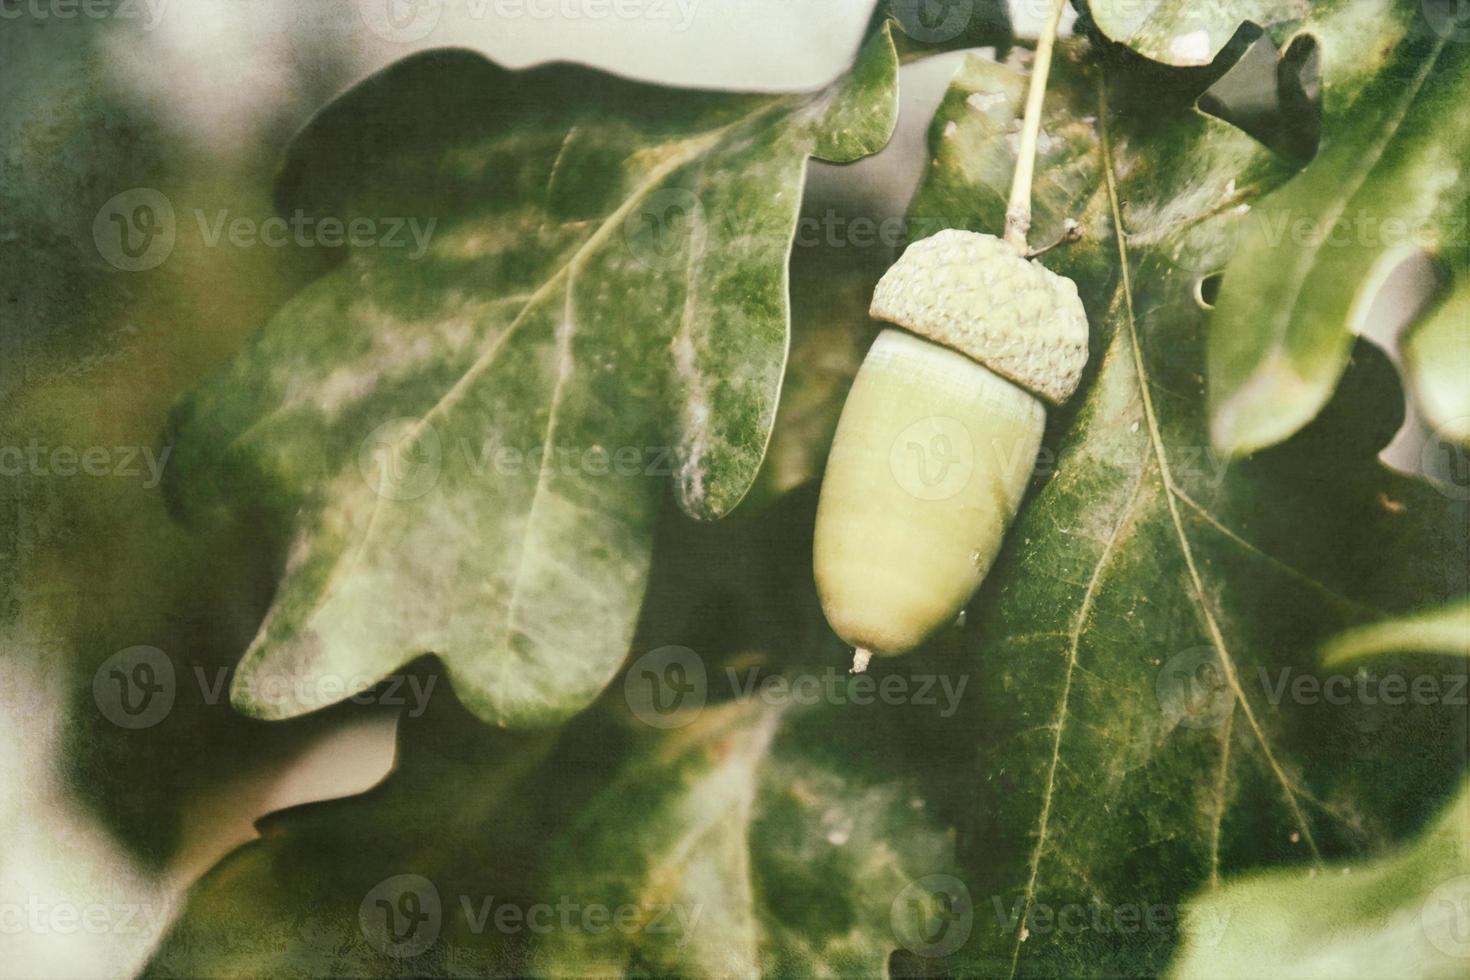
x,y
977,294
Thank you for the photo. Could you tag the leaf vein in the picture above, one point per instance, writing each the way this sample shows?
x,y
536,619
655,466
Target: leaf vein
x,y
1217,637
1084,613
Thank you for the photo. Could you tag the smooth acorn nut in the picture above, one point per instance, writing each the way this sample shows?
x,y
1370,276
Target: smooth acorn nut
x,y
939,436
931,458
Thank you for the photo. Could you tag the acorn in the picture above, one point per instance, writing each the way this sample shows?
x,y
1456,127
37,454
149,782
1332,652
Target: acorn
x,y
938,438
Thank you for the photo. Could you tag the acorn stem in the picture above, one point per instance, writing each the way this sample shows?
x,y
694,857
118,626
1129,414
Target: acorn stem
x,y
1071,232
1018,210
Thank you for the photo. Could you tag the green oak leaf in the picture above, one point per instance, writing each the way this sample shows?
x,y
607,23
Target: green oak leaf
x,y
1357,34
466,447
777,840
757,839
1402,915
1388,182
1134,741
1437,359
1442,630
1185,32
745,833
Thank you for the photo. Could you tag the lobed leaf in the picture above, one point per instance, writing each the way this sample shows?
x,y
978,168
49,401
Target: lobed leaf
x,y
1388,183
466,448
1184,33
1135,742
775,848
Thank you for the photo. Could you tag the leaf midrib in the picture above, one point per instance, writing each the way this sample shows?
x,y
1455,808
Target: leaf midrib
x,y
1186,549
1172,495
1059,725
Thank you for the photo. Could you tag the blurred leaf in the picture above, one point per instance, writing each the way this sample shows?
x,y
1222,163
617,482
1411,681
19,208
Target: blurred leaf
x,y
303,900
1135,742
1437,357
1442,630
98,816
1388,182
468,446
1402,915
